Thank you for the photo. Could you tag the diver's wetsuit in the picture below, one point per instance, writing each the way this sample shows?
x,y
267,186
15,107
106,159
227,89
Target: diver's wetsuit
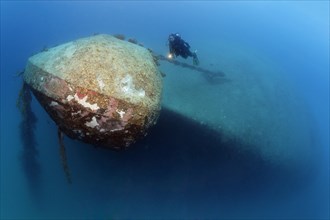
x,y
179,47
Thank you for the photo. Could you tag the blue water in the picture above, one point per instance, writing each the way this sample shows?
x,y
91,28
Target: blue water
x,y
181,170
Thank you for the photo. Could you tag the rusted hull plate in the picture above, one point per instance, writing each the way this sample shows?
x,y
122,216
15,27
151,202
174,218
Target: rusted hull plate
x,y
90,116
99,89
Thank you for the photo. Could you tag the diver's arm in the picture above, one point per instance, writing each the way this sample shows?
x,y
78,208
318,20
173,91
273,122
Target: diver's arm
x,y
170,48
186,44
172,51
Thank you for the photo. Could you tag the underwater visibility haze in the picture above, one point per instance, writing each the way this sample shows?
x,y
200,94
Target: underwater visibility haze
x,y
244,135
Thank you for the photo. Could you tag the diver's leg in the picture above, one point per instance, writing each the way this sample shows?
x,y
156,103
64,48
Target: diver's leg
x,y
195,58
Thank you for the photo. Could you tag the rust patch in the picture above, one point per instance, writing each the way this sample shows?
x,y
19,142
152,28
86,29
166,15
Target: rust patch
x,y
112,131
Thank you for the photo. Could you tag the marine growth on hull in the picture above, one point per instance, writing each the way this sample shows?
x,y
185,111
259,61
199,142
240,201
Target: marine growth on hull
x,y
100,90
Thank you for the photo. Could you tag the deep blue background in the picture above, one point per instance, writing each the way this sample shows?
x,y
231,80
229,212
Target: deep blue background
x,y
294,34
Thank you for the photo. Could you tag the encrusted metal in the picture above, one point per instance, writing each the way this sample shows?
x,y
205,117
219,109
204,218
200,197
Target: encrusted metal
x,y
101,90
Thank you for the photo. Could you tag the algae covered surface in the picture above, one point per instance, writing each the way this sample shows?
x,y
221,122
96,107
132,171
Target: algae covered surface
x,y
99,89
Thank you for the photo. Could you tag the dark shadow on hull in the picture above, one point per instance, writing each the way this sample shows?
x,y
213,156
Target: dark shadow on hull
x,y
182,160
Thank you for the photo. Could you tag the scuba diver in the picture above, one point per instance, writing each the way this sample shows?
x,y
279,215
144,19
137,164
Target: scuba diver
x,y
179,47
